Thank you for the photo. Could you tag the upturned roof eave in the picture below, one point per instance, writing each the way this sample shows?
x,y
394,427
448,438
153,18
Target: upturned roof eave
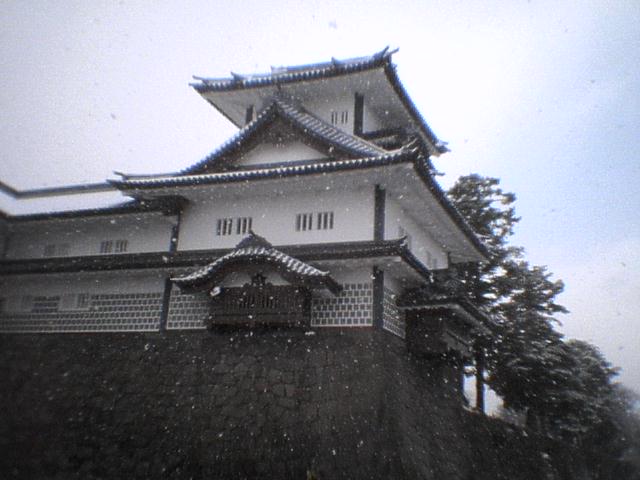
x,y
426,176
327,70
287,75
281,171
402,156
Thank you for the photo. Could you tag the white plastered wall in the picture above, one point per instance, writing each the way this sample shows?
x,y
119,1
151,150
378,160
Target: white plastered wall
x,y
15,287
274,217
422,245
371,121
144,233
116,282
291,151
322,108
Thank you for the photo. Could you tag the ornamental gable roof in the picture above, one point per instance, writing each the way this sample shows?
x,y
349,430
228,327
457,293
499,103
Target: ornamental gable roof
x,y
281,126
255,250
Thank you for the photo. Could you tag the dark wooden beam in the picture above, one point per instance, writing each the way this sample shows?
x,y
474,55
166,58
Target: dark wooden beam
x,y
480,367
378,214
358,114
378,298
166,301
248,117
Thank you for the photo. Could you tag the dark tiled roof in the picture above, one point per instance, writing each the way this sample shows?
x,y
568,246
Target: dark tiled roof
x,y
300,119
444,291
191,258
293,74
254,249
333,68
408,154
398,156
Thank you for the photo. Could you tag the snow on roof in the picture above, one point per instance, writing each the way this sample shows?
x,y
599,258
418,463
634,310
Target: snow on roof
x,y
398,156
294,73
252,249
301,119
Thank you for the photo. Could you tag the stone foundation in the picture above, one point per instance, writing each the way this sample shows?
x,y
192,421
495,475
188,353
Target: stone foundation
x,y
242,404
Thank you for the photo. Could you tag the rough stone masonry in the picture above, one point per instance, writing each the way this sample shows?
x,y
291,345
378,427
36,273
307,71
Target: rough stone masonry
x,y
270,403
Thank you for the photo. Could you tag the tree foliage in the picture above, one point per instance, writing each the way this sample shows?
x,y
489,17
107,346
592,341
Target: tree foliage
x,y
565,388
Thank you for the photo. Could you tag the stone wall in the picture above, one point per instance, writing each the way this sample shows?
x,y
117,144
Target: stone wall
x,y
232,404
353,306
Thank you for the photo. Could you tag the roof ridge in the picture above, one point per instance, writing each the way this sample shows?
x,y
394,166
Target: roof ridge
x,y
234,139
295,72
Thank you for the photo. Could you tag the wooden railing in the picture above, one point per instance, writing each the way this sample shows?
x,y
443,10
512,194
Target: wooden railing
x,y
261,305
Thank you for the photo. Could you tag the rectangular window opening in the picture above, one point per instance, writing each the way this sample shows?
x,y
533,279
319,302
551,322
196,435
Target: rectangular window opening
x,y
121,246
305,221
106,246
339,117
225,226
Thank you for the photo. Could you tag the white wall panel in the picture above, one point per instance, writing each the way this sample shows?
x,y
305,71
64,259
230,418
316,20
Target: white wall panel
x,y
144,233
274,217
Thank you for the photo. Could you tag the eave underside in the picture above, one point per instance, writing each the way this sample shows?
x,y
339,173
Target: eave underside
x,y
326,252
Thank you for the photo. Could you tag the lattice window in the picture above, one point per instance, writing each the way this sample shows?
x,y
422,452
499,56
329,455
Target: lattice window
x,y
339,117
304,222
243,225
121,246
325,221
233,225
224,226
106,246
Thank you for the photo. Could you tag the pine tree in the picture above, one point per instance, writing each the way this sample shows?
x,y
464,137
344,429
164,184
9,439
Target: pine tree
x,y
564,388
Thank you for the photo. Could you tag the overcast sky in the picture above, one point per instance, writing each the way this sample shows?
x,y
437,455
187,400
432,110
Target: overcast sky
x,y
544,95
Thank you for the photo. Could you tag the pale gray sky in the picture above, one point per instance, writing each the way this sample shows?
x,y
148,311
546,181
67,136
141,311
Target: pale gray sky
x,y
544,95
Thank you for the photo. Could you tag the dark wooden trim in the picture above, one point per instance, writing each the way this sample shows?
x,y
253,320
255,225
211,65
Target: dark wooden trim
x,y
175,234
378,297
248,116
358,114
5,245
480,366
166,300
383,132
378,214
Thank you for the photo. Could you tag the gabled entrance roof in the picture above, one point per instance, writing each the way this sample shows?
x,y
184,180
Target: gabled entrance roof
x,y
254,250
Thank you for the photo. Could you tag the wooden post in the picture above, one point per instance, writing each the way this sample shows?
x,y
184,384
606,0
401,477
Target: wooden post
x,y
479,359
